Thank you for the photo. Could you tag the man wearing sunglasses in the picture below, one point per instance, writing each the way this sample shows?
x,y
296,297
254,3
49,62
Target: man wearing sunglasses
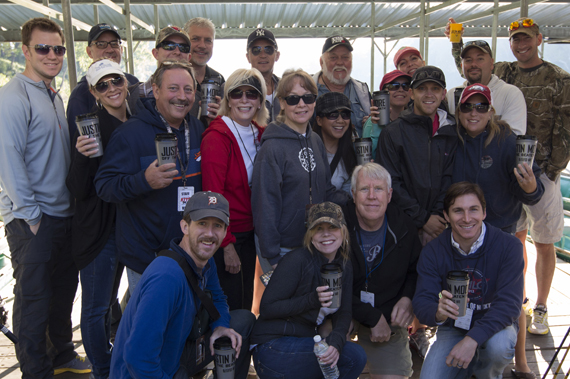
x,y
262,54
37,207
477,64
336,67
103,42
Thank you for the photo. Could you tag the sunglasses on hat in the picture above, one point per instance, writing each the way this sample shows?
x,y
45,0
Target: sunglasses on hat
x,y
526,23
294,99
104,86
43,49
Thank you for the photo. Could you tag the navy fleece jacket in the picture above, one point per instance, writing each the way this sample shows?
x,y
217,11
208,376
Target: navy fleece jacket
x,y
147,219
495,281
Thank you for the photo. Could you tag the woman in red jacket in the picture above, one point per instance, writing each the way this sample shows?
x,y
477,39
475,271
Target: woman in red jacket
x,y
229,147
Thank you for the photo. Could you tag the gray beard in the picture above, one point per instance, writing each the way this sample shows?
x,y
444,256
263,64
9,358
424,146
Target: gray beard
x,y
330,76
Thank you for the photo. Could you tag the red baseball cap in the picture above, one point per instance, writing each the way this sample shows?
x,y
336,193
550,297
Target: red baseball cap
x,y
476,89
405,50
391,76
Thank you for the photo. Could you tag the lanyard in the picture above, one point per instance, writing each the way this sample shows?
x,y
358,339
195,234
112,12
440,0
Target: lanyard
x,y
187,143
368,272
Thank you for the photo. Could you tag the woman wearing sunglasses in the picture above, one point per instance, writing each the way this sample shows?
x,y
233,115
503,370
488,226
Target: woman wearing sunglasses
x,y
334,127
93,225
229,147
486,156
291,171
397,83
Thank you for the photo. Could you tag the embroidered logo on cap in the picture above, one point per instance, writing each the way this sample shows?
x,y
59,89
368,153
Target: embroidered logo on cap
x,y
212,200
260,32
337,40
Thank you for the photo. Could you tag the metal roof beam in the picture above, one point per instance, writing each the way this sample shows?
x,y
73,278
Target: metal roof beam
x,y
121,11
50,12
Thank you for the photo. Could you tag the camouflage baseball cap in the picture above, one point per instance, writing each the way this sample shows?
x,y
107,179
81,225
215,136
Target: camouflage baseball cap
x,y
523,25
171,31
325,212
480,44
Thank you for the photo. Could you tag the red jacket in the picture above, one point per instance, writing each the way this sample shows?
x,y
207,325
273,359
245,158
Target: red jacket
x,y
223,171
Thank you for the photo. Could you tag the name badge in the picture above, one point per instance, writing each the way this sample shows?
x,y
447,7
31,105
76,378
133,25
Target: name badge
x,y
465,321
367,297
184,194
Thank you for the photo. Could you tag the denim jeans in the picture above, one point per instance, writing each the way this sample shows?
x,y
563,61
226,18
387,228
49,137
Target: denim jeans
x,y
293,357
97,283
489,361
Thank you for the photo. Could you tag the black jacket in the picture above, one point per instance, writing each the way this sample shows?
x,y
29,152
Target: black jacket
x,y
421,166
395,278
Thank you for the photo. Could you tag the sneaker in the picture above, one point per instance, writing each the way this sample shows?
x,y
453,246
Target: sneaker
x,y
527,307
78,365
419,342
539,323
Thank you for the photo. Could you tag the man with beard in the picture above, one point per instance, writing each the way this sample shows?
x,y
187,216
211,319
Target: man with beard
x,y
150,197
103,42
336,67
477,64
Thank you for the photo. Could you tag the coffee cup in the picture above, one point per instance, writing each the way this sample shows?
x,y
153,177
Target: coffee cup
x,y
526,149
224,358
88,125
363,147
458,286
331,274
166,148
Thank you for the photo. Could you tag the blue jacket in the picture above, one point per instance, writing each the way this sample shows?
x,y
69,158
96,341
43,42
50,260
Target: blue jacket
x,y
147,219
495,281
159,318
491,168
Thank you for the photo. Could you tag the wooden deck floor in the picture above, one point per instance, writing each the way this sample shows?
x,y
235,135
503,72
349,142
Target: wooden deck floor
x,y
539,349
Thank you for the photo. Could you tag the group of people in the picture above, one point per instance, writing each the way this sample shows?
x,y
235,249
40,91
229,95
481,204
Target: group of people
x,y
264,191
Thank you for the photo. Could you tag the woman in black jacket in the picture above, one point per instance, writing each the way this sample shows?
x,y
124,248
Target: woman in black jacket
x,y
295,307
93,225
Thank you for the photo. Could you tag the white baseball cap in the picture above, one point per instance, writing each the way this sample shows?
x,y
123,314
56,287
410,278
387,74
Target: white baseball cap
x,y
102,68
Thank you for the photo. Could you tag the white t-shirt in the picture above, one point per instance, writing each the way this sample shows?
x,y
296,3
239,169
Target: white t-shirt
x,y
246,137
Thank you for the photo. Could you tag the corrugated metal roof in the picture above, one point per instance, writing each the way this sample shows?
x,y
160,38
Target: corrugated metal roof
x,y
296,19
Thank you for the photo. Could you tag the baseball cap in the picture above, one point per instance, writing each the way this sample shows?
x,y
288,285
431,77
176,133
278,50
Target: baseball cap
x,y
101,68
391,76
261,33
208,204
476,89
428,74
171,31
523,25
404,50
252,82
99,29
480,44
325,212
335,41
330,102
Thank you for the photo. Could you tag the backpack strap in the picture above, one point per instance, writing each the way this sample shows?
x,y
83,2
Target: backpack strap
x,y
193,283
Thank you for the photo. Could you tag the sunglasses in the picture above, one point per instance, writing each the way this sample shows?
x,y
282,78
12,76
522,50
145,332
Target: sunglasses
x,y
479,107
103,86
43,49
256,50
294,99
334,115
169,46
103,44
526,23
396,86
250,95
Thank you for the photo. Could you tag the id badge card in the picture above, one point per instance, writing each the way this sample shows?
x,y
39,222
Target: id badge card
x,y
465,321
367,297
184,194
200,350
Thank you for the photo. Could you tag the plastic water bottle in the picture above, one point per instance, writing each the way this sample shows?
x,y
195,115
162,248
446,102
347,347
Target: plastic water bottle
x,y
320,348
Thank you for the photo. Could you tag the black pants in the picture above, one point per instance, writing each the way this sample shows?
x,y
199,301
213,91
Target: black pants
x,y
239,287
46,281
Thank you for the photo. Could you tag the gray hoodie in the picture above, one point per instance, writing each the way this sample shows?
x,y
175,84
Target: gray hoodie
x,y
285,165
34,152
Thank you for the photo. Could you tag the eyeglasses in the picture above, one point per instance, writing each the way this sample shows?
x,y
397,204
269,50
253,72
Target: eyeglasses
x,y
526,23
479,107
294,99
103,86
238,94
103,44
334,115
256,50
43,49
169,46
396,86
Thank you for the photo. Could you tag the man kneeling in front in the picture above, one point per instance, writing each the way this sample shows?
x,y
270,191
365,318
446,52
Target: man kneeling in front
x,y
152,340
482,342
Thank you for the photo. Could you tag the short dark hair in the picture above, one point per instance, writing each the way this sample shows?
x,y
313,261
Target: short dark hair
x,y
41,23
461,189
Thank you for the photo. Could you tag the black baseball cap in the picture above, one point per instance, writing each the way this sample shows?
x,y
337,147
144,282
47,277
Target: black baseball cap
x,y
99,29
208,204
335,41
251,81
261,33
332,101
428,74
